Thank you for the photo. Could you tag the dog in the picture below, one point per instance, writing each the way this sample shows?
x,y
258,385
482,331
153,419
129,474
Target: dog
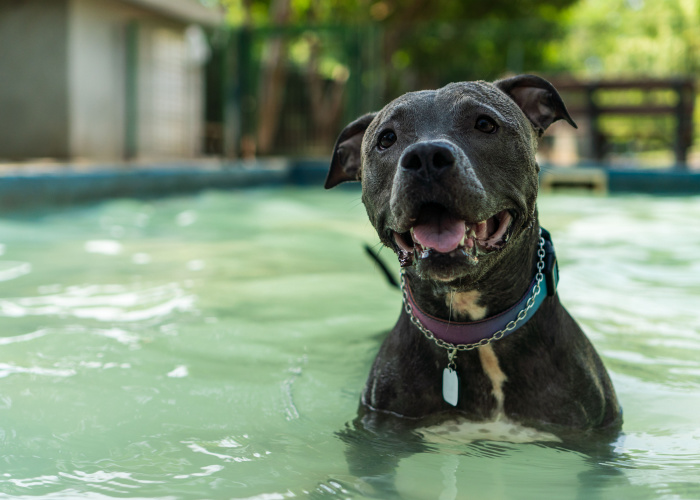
x,y
449,182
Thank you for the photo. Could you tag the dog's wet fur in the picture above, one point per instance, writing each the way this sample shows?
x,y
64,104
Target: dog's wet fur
x,y
463,156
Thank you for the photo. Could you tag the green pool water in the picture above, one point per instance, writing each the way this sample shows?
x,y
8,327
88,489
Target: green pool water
x,y
213,346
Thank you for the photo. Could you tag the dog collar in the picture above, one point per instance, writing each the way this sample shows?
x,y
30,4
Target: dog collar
x,y
463,336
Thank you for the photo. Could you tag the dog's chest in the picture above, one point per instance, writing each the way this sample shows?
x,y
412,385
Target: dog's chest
x,y
464,305
462,430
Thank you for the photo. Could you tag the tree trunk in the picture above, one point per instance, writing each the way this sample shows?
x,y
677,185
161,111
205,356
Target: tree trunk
x,y
273,77
326,98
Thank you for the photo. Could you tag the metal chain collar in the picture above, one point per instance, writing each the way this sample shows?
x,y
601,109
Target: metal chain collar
x,y
512,325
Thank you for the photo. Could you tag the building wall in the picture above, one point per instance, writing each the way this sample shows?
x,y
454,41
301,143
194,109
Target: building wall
x,y
168,96
97,76
33,79
170,92
66,68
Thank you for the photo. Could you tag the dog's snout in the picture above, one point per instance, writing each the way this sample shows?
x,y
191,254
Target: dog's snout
x,y
428,158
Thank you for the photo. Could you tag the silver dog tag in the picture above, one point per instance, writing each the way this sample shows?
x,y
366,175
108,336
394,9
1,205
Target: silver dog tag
x,y
450,386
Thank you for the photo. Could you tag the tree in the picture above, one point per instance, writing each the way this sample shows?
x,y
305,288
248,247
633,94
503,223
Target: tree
x,y
425,44
628,38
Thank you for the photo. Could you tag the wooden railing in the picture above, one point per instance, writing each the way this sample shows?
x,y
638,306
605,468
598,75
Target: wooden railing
x,y
588,106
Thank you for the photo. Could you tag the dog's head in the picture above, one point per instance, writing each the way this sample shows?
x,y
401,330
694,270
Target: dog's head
x,y
449,176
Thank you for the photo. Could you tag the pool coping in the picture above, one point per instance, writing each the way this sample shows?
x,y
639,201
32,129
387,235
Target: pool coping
x,y
31,186
34,186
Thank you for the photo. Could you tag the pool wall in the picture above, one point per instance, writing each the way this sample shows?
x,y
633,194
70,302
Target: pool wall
x,y
29,186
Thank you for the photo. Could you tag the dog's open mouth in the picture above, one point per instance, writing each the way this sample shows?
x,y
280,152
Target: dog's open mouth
x,y
437,232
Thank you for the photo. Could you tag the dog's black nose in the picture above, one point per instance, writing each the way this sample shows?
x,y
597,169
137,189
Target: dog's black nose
x,y
428,159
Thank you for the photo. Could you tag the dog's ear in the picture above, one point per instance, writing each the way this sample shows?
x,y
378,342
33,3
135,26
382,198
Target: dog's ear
x,y
538,99
347,155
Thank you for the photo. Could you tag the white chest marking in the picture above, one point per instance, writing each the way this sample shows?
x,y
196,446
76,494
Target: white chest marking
x,y
465,304
492,369
464,431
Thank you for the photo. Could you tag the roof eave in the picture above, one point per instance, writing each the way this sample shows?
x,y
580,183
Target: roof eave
x,y
189,11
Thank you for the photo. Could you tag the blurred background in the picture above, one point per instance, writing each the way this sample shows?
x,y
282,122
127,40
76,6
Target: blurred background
x,y
214,344
153,80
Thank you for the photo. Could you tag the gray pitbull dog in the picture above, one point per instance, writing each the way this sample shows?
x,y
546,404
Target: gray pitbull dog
x,y
449,182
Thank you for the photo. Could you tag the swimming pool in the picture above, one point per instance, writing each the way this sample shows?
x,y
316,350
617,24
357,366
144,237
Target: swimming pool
x,y
213,346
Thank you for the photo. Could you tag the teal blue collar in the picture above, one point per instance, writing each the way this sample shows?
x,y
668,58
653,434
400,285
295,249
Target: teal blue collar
x,y
451,334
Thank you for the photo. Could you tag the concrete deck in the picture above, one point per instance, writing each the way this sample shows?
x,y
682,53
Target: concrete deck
x,y
25,186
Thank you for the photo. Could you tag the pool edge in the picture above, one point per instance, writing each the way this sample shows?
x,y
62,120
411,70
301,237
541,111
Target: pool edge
x,y
31,186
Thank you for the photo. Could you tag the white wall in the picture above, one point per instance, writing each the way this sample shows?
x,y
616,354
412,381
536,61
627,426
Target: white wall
x,y
170,84
97,61
171,93
33,80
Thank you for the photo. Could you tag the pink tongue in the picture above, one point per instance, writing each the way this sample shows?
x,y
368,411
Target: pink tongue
x,y
441,232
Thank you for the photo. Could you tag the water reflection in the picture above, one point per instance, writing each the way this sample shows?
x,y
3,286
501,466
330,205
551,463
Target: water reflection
x,y
219,348
10,270
103,303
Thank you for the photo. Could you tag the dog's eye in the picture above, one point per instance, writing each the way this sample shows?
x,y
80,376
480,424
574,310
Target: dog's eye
x,y
386,140
486,125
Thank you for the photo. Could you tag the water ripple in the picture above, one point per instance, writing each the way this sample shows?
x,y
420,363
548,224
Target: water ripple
x,y
272,496
105,477
121,336
33,481
10,270
207,470
103,303
8,369
113,482
105,247
72,494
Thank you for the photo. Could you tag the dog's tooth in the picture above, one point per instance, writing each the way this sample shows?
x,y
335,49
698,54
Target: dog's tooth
x,y
465,237
405,258
420,252
474,254
482,229
475,250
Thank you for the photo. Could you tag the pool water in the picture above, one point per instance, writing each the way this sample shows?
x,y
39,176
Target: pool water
x,y
214,346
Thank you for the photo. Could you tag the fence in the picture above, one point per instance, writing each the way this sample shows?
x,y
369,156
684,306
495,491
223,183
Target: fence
x,y
288,90
661,111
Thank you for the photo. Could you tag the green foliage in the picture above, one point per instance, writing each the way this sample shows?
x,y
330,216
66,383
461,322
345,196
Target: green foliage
x,y
426,43
417,44
432,54
614,38
611,39
447,40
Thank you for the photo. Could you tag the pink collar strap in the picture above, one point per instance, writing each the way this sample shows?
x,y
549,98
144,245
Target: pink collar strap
x,y
472,334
